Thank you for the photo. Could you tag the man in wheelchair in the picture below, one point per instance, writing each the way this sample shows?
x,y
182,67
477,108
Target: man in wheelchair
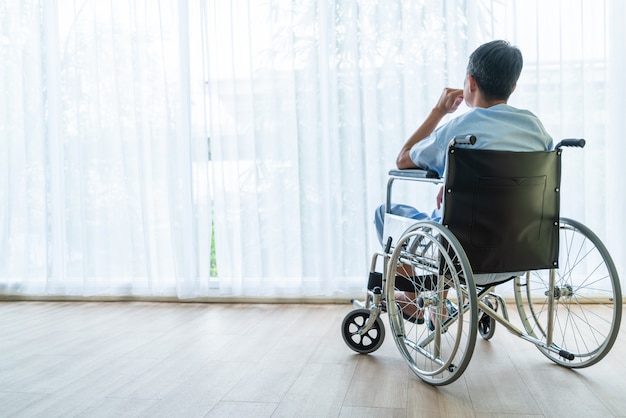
x,y
498,222
492,73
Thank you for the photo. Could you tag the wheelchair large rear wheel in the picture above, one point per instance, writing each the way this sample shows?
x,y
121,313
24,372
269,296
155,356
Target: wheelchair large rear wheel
x,y
587,299
431,303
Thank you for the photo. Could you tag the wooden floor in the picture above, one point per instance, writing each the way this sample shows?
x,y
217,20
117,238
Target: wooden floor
x,y
134,359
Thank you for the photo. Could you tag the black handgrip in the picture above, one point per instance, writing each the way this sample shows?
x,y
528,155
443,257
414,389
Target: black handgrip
x,y
567,355
573,142
467,139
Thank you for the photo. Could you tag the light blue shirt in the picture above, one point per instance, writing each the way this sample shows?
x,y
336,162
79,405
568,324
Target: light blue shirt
x,y
500,127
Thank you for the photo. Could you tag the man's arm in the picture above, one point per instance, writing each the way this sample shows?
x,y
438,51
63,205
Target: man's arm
x,y
448,102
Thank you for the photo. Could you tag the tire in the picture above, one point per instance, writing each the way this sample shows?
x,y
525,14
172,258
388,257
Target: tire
x,y
587,299
428,270
486,324
351,327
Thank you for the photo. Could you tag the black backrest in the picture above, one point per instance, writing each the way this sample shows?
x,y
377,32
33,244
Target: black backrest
x,y
504,208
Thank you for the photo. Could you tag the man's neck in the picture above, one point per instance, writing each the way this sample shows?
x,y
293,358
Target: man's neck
x,y
487,103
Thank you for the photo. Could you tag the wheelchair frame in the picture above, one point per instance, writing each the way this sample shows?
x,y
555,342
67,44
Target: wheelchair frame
x,y
555,305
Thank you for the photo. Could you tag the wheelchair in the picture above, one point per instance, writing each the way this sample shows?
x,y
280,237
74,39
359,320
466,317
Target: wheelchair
x,y
501,213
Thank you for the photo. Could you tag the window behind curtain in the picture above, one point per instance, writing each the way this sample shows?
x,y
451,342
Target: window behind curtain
x,y
129,129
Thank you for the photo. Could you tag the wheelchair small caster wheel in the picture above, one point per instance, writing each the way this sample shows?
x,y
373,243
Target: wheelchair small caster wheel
x,y
486,324
368,342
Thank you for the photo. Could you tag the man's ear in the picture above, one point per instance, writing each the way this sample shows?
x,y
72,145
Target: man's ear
x,y
472,83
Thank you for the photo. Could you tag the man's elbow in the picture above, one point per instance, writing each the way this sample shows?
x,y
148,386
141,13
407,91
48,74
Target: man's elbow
x,y
404,161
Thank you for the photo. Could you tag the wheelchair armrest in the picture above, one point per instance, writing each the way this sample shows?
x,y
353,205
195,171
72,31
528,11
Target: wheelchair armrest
x,y
414,173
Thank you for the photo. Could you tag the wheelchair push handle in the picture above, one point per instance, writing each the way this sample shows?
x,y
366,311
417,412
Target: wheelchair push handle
x,y
573,142
465,139
469,139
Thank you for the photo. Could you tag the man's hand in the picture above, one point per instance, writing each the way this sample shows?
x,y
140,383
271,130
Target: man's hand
x,y
440,198
450,100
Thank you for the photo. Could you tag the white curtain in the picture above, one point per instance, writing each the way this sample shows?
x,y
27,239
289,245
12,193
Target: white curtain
x,y
104,185
129,128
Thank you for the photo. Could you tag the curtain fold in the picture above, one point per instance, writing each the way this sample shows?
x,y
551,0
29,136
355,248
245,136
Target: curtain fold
x,y
208,148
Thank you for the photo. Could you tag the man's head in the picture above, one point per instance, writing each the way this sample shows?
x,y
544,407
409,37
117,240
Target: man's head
x,y
495,67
